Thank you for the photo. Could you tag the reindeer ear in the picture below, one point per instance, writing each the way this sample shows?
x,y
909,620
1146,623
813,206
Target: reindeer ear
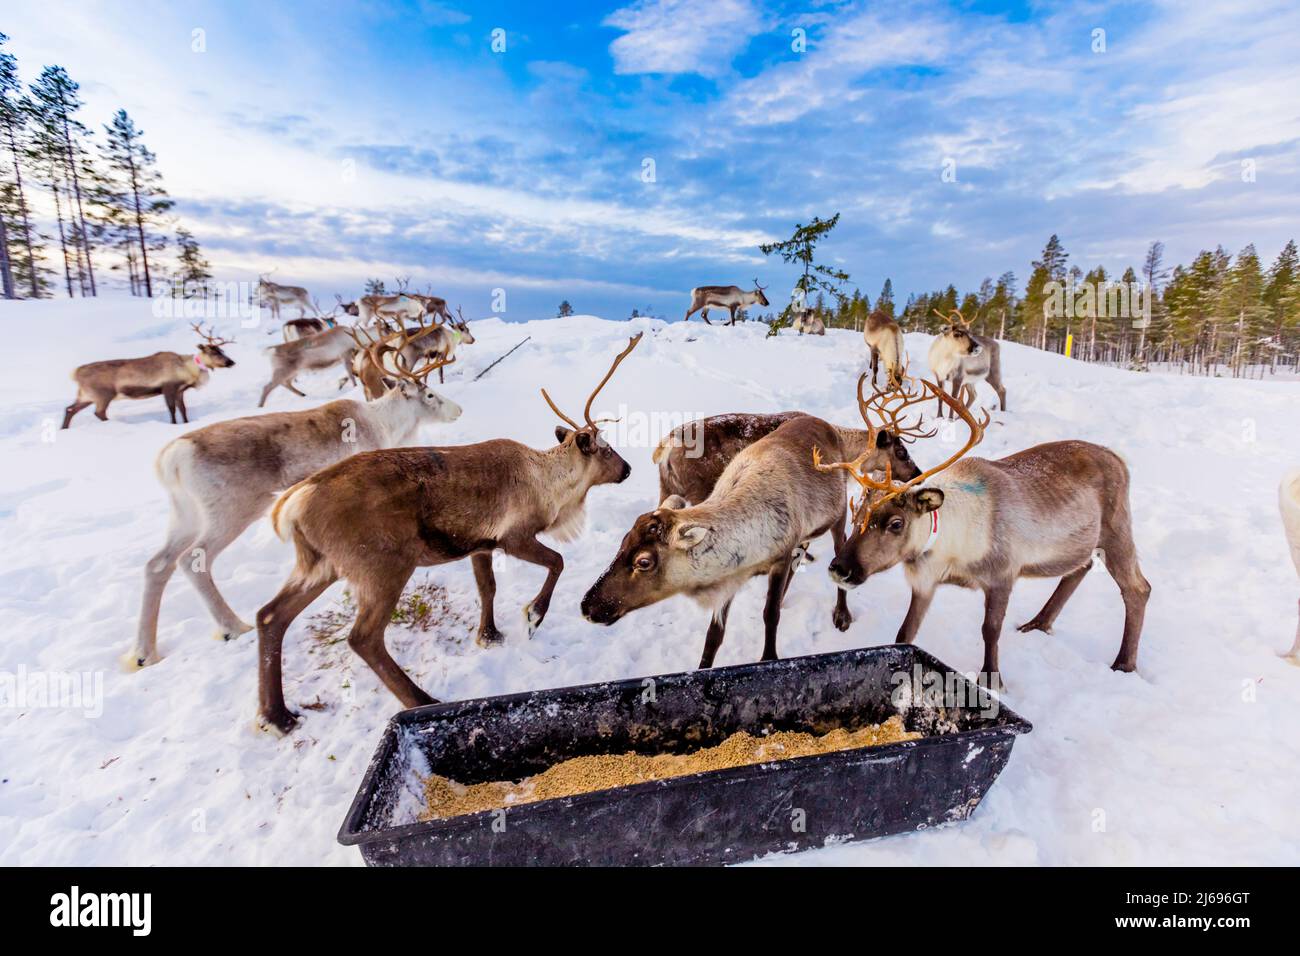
x,y
586,442
925,500
561,433
884,439
687,536
673,502
408,389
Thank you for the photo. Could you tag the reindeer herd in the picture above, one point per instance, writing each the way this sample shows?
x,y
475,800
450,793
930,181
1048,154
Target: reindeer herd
x,y
741,495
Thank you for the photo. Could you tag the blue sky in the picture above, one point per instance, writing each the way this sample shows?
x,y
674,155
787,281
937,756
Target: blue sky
x,y
335,141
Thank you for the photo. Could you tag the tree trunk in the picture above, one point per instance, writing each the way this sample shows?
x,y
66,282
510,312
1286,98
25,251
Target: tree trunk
x,y
81,215
63,240
6,273
139,228
32,275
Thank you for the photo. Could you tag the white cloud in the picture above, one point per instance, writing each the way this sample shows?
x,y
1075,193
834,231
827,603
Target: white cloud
x,y
682,36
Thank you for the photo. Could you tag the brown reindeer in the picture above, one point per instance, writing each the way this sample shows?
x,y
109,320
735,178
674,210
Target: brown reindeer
x,y
983,524
730,297
436,342
374,518
168,374
885,341
222,478
311,354
959,356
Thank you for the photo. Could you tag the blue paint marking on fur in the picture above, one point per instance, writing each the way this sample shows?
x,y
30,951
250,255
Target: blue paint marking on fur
x,y
975,487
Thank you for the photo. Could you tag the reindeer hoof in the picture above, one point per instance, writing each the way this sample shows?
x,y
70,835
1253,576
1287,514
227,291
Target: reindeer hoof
x,y
230,633
490,638
1034,625
842,619
533,619
1293,657
992,681
131,661
1124,667
278,725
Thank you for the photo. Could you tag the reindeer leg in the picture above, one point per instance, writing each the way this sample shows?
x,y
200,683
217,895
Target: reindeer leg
x,y
1044,619
1121,561
169,396
272,621
218,532
777,580
732,310
180,404
713,639
157,572
705,316
293,388
488,635
267,390
534,552
375,607
72,410
915,615
101,408
841,617
875,364
996,598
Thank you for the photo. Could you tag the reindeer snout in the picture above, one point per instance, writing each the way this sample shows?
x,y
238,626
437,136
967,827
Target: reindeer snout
x,y
842,575
599,611
627,470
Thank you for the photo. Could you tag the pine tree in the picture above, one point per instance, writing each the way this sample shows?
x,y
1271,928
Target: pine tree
x,y
565,308
885,301
19,236
801,249
134,188
193,268
55,101
1280,296
1243,301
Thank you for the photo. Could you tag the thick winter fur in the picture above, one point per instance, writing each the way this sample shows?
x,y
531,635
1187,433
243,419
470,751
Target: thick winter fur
x,y
767,501
168,374
301,328
311,354
274,296
1288,499
1039,513
397,308
694,455
730,297
964,359
222,478
807,323
374,518
885,343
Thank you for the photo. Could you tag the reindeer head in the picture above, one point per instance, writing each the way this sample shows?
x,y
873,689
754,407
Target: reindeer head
x,y
210,354
891,523
601,464
462,327
758,291
654,562
957,335
349,308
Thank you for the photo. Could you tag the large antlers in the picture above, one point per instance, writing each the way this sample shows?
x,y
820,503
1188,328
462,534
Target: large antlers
x,y
213,340
876,493
586,411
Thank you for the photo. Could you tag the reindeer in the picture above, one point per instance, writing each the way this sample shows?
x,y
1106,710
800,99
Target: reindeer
x,y
434,306
389,309
1288,499
222,478
348,308
310,354
730,297
274,295
438,341
301,328
1042,512
885,340
959,356
766,504
168,374
807,322
375,517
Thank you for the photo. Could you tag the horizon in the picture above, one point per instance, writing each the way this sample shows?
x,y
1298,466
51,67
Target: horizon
x,y
391,139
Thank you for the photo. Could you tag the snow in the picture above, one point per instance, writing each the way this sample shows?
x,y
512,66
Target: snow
x,y
1192,760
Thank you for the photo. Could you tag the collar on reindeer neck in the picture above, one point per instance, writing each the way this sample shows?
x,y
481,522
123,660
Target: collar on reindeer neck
x,y
198,359
934,532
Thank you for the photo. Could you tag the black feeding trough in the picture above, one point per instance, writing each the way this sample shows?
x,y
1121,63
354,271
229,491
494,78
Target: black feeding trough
x,y
720,816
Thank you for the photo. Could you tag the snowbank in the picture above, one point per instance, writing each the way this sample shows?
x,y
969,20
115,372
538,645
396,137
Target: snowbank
x,y
1194,759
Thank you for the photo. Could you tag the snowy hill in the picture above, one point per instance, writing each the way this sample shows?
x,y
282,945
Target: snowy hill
x,y
1191,760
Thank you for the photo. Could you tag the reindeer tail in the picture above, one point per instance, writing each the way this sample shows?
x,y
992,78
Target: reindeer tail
x,y
288,507
671,440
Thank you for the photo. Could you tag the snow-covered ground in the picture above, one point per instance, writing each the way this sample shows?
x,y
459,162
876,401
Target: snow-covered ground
x,y
1194,759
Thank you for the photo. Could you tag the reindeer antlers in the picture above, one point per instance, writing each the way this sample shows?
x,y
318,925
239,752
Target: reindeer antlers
x,y
586,411
210,335
960,321
876,493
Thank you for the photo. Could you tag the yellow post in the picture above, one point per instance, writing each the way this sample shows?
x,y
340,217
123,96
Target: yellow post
x,y
1069,344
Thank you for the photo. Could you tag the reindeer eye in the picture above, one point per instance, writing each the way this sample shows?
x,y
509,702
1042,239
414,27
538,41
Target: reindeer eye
x,y
644,561
895,525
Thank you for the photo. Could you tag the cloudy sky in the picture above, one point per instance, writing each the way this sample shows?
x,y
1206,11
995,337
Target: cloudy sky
x,y
335,141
